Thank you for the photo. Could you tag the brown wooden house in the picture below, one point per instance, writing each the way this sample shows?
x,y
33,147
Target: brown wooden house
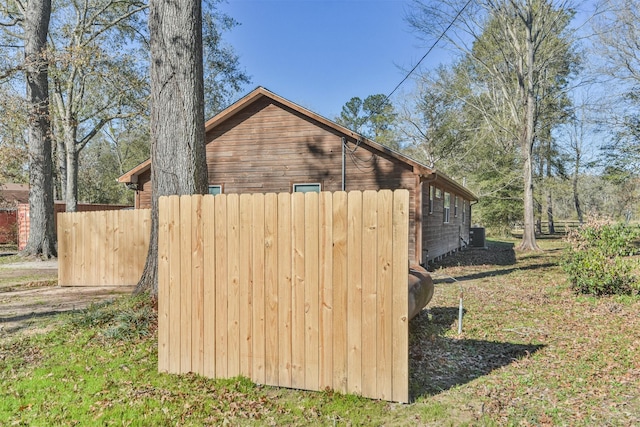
x,y
264,143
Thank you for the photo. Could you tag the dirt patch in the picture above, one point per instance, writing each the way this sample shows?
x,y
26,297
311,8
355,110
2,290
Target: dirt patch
x,y
30,296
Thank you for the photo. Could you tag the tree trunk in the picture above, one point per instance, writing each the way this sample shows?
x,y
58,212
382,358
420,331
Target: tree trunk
x,y
552,228
42,235
62,169
529,235
177,113
71,181
576,198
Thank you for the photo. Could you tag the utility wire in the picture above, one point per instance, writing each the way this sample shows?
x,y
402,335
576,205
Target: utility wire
x,y
386,99
455,18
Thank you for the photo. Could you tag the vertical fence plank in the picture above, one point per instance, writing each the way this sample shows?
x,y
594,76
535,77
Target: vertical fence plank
x,y
100,218
369,292
64,248
132,236
400,296
209,268
384,344
109,253
325,259
340,263
312,293
119,249
284,290
125,245
185,284
164,216
144,224
272,331
197,286
222,340
246,285
298,285
174,284
354,292
88,229
233,300
142,246
305,284
258,291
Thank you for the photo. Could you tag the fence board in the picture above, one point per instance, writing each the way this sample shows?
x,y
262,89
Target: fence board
x,y
174,284
95,248
369,291
209,267
163,284
400,325
271,288
325,260
197,286
340,291
354,292
245,285
384,345
221,291
284,290
312,300
258,295
297,290
233,283
185,283
305,291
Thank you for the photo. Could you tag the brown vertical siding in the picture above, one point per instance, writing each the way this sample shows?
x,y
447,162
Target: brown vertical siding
x,y
440,238
143,194
267,146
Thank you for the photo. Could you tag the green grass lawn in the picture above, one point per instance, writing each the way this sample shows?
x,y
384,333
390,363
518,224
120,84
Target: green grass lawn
x,y
531,353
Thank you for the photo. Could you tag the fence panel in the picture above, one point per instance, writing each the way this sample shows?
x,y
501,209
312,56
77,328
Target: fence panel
x,y
102,248
297,290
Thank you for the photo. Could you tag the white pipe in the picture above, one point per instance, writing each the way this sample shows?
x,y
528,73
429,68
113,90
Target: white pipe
x,y
460,311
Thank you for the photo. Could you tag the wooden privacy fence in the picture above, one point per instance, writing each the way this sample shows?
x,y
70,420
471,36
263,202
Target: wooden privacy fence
x,y
103,248
296,290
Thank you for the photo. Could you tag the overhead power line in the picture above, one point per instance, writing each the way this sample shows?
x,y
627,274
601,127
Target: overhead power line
x,y
455,18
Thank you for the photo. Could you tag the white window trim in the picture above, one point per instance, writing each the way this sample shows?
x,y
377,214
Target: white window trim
x,y
447,210
214,185
432,196
307,184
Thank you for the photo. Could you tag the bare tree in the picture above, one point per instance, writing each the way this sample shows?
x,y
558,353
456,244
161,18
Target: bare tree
x,y
509,44
97,77
178,164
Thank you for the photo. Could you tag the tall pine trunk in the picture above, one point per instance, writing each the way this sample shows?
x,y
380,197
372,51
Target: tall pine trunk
x,y
178,163
42,235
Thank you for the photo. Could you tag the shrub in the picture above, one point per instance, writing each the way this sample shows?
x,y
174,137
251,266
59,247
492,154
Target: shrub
x,y
598,260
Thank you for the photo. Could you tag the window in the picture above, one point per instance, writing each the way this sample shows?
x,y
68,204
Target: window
x,y
455,207
306,188
438,193
431,196
215,189
464,210
447,206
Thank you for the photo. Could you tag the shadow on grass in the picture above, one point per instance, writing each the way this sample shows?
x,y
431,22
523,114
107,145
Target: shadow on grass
x,y
438,363
492,273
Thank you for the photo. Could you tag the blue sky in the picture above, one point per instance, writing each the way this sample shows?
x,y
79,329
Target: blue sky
x,y
321,53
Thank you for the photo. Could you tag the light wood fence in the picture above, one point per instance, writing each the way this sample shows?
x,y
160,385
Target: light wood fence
x,y
305,291
103,248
